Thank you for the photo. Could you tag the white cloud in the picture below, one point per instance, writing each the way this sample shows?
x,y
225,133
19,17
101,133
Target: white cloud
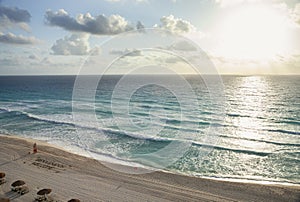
x,y
14,39
100,24
176,25
11,61
5,24
183,46
76,44
296,13
173,60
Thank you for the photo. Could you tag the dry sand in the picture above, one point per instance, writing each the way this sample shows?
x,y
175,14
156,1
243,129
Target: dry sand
x,y
73,176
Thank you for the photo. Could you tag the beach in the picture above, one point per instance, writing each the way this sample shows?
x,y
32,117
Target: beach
x,y
73,176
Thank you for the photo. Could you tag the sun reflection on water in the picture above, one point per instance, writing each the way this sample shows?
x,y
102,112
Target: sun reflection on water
x,y
250,104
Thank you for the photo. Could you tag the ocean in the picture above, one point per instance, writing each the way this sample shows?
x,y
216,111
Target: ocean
x,y
251,132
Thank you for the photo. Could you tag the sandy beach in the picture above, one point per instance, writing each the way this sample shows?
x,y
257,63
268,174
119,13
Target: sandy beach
x,y
73,176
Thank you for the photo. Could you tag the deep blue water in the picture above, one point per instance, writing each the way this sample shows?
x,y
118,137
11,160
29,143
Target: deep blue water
x,y
251,132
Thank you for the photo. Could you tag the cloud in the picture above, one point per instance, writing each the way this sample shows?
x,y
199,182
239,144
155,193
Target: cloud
x,y
293,13
296,13
127,52
33,57
11,17
134,53
14,17
47,61
183,46
173,60
176,25
13,39
291,61
76,44
14,14
140,27
100,24
10,61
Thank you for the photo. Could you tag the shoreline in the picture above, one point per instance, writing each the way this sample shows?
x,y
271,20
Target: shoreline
x,y
104,159
154,186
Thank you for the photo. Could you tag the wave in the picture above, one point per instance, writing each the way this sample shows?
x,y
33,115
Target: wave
x,y
289,122
284,131
139,136
260,140
242,179
150,138
251,152
109,130
171,121
35,117
238,115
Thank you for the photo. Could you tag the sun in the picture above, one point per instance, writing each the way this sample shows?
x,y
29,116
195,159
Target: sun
x,y
255,32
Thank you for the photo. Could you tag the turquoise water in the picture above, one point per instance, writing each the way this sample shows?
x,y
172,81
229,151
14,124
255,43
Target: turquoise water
x,y
254,131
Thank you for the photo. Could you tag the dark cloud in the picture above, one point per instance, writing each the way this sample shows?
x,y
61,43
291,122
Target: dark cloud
x,y
140,27
14,39
15,15
33,57
11,17
100,24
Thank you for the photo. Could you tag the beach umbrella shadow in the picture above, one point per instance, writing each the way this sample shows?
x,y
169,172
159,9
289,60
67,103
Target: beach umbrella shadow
x,y
74,200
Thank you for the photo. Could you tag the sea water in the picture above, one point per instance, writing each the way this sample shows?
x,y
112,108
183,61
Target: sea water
x,y
254,133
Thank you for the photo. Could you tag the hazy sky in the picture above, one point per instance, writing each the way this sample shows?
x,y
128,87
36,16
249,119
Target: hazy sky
x,y
239,36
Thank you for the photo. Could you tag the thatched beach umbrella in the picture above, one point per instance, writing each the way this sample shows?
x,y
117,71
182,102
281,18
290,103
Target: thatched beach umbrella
x,y
74,200
18,183
44,192
2,175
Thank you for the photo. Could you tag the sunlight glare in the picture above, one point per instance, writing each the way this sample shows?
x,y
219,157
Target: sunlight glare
x,y
253,32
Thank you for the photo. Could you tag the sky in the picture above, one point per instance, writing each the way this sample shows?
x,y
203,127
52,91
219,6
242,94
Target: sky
x,y
116,36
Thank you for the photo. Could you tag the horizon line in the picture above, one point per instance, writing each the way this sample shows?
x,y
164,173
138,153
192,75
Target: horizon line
x,y
149,74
